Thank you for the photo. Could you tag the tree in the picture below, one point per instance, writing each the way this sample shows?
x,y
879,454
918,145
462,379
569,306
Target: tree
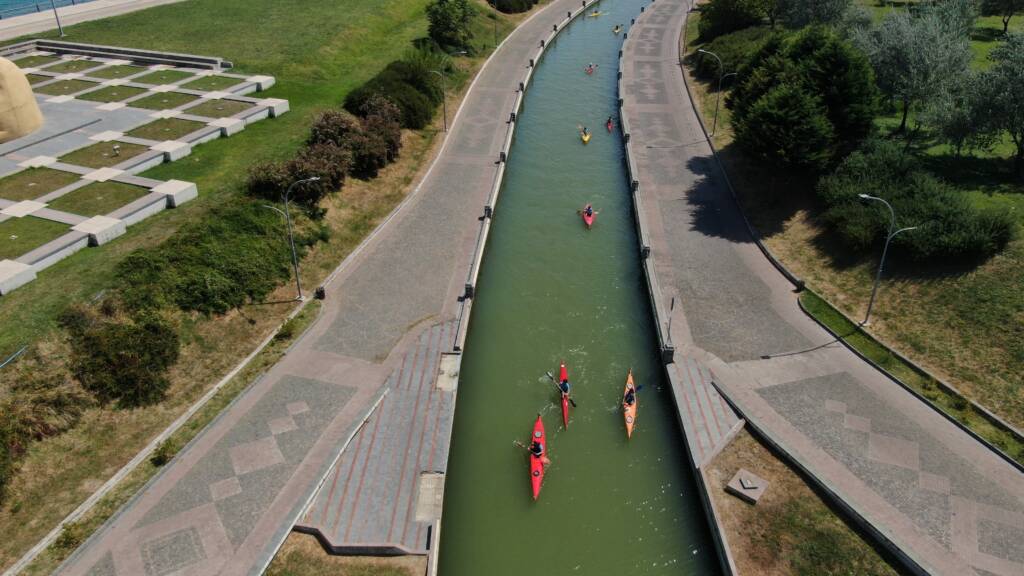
x,y
800,13
1003,87
449,22
788,126
720,17
913,55
1002,8
955,115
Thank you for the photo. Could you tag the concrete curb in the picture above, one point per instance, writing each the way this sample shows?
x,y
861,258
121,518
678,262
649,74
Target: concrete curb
x,y
990,417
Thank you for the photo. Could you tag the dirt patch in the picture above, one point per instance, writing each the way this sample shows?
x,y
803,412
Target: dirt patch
x,y
303,555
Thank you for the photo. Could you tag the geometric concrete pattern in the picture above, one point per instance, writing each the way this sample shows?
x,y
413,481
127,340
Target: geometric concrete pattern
x,y
368,503
708,420
927,490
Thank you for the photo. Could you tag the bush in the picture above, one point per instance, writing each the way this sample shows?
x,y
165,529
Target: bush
x,y
416,70
449,23
788,127
382,118
333,127
239,254
513,6
950,228
734,49
123,360
416,108
371,142
720,17
328,162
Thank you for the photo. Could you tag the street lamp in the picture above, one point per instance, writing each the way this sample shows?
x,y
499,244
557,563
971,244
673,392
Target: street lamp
x,y
892,234
291,237
494,5
444,91
718,97
57,17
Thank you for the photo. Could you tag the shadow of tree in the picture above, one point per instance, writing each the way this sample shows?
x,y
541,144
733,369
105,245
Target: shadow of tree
x,y
988,174
986,34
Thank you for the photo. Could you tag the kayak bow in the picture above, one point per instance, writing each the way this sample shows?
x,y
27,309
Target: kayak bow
x,y
537,462
629,411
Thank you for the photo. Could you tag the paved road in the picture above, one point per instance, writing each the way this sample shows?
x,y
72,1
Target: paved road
x,y
949,504
37,22
226,503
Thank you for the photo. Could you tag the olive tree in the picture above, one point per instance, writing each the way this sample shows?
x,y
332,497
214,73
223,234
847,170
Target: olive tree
x,y
1003,86
800,13
1005,9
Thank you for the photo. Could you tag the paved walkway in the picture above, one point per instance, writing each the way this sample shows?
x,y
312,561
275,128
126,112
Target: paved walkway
x,y
17,26
949,504
227,502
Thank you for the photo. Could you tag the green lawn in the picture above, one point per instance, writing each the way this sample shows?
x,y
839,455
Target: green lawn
x,y
21,235
165,129
163,77
111,94
211,83
33,183
98,198
164,101
219,108
36,78
103,154
69,66
35,61
119,71
65,87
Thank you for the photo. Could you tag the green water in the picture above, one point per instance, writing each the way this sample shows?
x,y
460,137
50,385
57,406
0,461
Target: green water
x,y
551,290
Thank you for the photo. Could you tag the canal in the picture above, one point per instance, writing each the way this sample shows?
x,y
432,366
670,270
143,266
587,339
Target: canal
x,y
551,290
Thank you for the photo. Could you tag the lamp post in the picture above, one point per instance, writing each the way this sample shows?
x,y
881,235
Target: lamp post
x,y
57,17
444,90
718,97
888,238
291,237
494,5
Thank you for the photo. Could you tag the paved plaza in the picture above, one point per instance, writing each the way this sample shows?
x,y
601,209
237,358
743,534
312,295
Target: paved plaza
x,y
949,504
405,281
74,183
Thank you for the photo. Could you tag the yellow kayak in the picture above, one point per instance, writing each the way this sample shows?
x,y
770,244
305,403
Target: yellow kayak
x,y
595,14
584,137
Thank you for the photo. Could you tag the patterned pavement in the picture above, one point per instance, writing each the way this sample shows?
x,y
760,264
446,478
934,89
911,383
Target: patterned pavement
x,y
918,483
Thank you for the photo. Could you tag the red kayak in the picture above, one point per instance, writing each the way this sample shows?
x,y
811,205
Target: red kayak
x,y
537,462
588,219
563,376
609,125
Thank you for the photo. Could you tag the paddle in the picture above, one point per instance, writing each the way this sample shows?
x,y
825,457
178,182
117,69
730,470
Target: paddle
x,y
555,382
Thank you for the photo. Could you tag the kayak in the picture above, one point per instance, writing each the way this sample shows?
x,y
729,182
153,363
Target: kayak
x,y
595,14
616,30
609,125
585,136
537,463
588,219
563,375
629,412
588,70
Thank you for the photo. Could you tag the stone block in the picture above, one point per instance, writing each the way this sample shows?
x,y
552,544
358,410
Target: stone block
x,y
102,174
747,486
14,274
101,229
37,162
262,82
173,149
277,106
22,209
228,126
177,192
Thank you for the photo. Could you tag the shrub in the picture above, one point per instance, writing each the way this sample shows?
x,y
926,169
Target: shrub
x,y
383,118
239,254
328,162
720,17
163,454
449,23
788,126
123,360
333,127
950,228
416,108
268,180
734,49
513,6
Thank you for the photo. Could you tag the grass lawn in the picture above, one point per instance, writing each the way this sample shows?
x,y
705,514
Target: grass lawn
x,y
964,325
214,82
166,129
163,101
21,235
318,53
69,66
219,108
302,555
36,78
98,198
33,183
163,77
111,94
65,87
35,61
118,71
102,154
791,530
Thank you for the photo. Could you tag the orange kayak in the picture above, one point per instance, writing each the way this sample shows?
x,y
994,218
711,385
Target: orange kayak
x,y
629,410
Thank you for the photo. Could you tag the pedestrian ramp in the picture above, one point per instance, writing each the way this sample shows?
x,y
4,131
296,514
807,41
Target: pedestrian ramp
x,y
708,421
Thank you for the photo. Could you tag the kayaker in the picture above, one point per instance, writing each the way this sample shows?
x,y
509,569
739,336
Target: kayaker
x,y
589,211
537,449
630,397
585,131
609,121
564,387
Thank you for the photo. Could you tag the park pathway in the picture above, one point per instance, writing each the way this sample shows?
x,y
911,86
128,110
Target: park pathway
x,y
945,502
226,503
44,20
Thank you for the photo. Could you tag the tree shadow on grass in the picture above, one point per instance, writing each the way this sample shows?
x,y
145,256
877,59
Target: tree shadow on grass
x,y
987,174
986,34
